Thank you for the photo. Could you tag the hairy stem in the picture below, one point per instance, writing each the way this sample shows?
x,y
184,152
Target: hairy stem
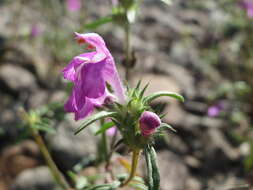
x,y
60,180
135,159
107,165
104,145
128,51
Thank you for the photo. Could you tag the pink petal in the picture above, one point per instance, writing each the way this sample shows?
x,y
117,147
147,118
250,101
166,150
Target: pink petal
x,y
73,5
70,71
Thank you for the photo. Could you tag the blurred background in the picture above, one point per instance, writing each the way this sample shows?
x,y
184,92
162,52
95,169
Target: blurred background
x,y
201,49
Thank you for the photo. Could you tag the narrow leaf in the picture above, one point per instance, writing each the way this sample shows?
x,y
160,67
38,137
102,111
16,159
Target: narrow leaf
x,y
155,169
43,127
99,22
93,118
138,85
166,126
151,97
149,168
143,90
105,127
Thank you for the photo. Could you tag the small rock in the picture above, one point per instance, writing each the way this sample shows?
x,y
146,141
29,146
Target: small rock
x,y
38,98
176,144
193,184
158,83
219,141
173,172
182,76
17,158
67,148
192,161
16,78
38,178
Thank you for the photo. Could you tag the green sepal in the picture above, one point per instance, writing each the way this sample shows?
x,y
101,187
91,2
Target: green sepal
x,y
138,85
152,167
93,118
98,22
104,127
143,90
151,97
166,126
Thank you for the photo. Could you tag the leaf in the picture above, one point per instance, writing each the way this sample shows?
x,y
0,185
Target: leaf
x,y
166,126
149,168
138,186
138,85
168,2
151,97
43,127
81,182
136,179
105,127
98,22
93,118
143,90
153,171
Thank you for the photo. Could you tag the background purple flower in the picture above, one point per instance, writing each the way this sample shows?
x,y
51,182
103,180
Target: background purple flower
x,y
248,6
111,131
73,5
215,110
35,31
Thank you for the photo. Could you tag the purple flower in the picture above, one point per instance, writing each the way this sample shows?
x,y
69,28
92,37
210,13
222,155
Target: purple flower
x,y
90,72
248,6
115,2
73,5
35,31
111,131
149,121
215,110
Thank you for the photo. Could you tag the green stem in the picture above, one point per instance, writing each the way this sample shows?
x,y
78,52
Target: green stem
x,y
135,159
51,164
107,165
104,145
128,50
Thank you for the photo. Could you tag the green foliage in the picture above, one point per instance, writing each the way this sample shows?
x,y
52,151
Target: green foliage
x,y
248,162
104,127
42,118
93,118
151,97
126,117
152,168
108,186
164,126
99,22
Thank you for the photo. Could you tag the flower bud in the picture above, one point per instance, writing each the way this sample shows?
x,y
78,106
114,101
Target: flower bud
x,y
149,121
